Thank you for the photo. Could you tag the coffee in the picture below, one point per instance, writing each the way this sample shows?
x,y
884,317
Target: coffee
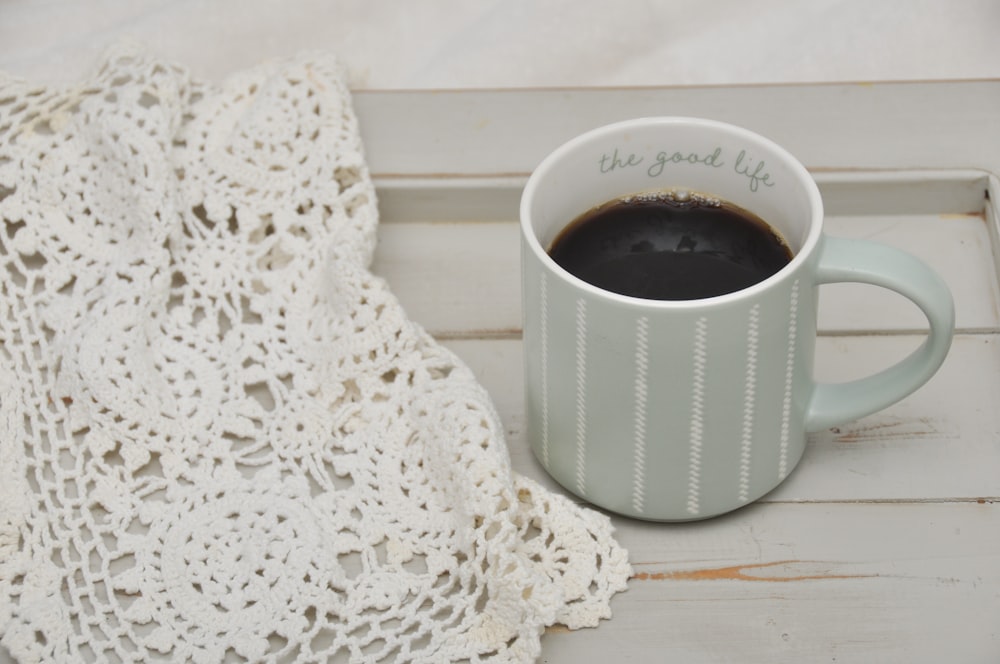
x,y
673,245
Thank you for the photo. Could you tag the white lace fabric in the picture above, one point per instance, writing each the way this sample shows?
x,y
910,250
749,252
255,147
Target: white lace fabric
x,y
221,438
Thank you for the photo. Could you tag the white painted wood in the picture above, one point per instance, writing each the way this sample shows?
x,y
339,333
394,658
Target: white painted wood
x,y
839,126
773,584
496,198
884,545
957,246
420,259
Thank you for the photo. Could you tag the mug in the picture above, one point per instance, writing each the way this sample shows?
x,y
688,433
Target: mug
x,y
681,410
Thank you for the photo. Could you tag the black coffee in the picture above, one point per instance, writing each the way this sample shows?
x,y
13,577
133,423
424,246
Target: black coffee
x,y
670,246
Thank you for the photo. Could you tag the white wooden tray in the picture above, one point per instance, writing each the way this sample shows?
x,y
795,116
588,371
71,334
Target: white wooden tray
x,y
884,545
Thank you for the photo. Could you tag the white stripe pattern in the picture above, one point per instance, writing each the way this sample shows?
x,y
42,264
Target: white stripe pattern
x,y
786,407
749,397
641,389
697,416
581,397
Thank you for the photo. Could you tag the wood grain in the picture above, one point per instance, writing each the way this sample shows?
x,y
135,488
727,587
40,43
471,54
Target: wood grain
x,y
421,259
882,546
852,582
832,126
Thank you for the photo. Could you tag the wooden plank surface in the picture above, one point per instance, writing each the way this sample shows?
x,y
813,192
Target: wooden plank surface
x,y
882,546
421,258
845,583
837,126
436,197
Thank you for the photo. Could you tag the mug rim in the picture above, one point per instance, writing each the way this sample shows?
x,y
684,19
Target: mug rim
x,y
798,169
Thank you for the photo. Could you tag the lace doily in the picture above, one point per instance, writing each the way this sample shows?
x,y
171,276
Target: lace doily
x,y
221,439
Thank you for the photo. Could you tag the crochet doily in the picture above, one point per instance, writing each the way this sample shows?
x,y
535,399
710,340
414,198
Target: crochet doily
x,y
221,438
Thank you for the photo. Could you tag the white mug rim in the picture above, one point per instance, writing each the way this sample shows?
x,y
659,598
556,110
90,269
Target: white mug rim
x,y
797,168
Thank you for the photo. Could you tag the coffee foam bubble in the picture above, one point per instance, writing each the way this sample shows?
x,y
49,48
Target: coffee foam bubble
x,y
682,196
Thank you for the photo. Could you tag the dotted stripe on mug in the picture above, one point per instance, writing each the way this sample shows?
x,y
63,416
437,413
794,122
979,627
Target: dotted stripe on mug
x,y
581,397
641,390
749,397
697,416
786,406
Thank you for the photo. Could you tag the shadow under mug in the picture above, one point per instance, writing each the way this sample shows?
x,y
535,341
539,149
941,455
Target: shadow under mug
x,y
681,410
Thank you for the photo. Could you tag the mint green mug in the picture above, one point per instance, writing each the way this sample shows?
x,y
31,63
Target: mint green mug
x,y
681,410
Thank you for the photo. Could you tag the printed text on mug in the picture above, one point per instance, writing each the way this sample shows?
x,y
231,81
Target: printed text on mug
x,y
743,164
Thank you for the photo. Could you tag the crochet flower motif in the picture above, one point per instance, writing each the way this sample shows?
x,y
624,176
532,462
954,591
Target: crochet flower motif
x,y
221,439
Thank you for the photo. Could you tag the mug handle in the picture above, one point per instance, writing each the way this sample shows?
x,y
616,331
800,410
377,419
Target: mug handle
x,y
864,261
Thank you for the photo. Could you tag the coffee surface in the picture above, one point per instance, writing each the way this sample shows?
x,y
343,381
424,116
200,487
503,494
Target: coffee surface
x,y
670,246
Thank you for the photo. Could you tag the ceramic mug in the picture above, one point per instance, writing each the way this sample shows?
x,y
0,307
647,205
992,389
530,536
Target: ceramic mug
x,y
681,410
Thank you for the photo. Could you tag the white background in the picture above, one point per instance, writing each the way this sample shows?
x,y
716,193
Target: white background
x,y
523,43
